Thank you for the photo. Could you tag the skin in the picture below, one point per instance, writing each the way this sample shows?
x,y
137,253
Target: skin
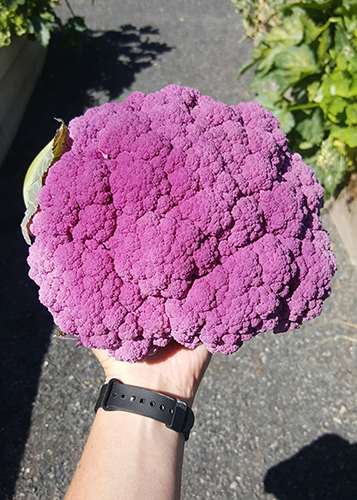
x,y
128,456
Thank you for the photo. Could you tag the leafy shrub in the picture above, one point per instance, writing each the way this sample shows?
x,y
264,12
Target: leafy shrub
x,y
34,18
306,74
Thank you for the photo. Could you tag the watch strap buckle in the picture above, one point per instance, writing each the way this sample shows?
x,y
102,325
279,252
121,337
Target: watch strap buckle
x,y
182,419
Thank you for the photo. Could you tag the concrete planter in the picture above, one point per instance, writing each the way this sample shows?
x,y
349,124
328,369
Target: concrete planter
x,y
343,212
20,65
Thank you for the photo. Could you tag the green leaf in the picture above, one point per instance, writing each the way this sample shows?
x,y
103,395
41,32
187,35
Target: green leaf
x,y
311,130
297,60
340,38
262,81
350,22
351,137
273,101
44,34
351,114
349,4
36,174
286,118
312,30
352,67
294,65
324,44
333,107
245,67
291,31
268,99
5,37
267,57
353,87
315,92
341,61
348,135
338,84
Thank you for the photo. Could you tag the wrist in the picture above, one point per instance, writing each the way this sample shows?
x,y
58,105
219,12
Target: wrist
x,y
153,382
174,413
140,426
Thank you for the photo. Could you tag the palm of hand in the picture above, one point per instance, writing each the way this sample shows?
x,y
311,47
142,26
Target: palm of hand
x,y
173,370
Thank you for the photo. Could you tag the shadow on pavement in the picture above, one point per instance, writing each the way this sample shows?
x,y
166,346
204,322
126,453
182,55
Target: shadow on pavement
x,y
106,62
71,79
326,469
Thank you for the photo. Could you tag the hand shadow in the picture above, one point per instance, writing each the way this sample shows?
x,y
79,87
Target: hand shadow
x,y
326,469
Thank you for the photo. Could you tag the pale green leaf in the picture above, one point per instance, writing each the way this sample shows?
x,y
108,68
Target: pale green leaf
x,y
294,65
36,174
297,61
268,99
287,120
262,81
291,31
272,101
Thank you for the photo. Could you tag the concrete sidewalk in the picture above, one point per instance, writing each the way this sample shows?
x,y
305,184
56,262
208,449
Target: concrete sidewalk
x,y
275,420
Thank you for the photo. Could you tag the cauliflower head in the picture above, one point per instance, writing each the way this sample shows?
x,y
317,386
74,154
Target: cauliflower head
x,y
174,216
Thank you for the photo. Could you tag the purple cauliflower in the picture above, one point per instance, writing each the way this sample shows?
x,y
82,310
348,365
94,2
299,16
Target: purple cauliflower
x,y
174,216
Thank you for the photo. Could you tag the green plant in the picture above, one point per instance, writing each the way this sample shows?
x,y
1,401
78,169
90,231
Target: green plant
x,y
306,71
34,18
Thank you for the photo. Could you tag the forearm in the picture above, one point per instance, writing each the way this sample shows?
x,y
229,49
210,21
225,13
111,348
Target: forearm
x,y
131,457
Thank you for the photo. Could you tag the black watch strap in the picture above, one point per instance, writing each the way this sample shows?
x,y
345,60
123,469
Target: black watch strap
x,y
175,414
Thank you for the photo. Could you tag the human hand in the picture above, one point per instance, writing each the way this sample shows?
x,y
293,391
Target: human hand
x,y
174,370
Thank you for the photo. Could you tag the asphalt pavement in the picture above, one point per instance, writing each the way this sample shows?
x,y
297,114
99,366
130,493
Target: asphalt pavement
x,y
277,419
